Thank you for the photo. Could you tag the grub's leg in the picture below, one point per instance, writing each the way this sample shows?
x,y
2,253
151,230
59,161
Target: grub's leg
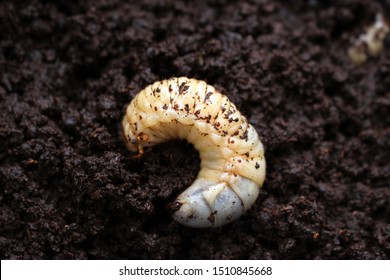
x,y
140,152
141,138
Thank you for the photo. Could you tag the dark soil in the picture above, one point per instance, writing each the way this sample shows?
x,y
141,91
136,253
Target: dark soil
x,y
69,189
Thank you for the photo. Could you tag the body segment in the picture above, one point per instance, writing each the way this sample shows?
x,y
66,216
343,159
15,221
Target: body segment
x,y
232,156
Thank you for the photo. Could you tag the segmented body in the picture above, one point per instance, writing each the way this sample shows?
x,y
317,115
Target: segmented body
x,y
232,156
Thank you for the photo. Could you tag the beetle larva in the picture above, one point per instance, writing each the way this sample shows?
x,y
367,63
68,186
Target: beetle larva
x,y
371,42
232,156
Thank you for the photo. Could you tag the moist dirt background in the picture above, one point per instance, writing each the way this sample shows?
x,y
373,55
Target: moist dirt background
x,y
69,189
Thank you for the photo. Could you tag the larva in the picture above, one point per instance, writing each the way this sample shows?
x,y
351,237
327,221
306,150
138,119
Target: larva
x,y
232,156
369,43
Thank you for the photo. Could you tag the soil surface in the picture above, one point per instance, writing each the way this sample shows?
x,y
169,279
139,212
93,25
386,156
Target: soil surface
x,y
69,189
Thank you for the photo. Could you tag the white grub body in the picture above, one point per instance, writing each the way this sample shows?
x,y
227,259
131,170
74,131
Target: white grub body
x,y
232,156
369,43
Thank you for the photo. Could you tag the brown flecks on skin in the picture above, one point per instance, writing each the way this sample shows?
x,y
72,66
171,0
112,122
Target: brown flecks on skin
x,y
207,119
190,217
239,160
245,136
223,109
155,109
228,114
183,88
176,106
236,133
246,154
170,88
257,166
211,218
207,96
165,106
187,108
158,89
216,116
140,117
197,113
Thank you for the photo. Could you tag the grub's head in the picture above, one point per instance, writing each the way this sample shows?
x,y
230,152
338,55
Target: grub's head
x,y
134,140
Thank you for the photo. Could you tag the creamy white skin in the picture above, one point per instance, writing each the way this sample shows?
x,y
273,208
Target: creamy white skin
x,y
232,156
